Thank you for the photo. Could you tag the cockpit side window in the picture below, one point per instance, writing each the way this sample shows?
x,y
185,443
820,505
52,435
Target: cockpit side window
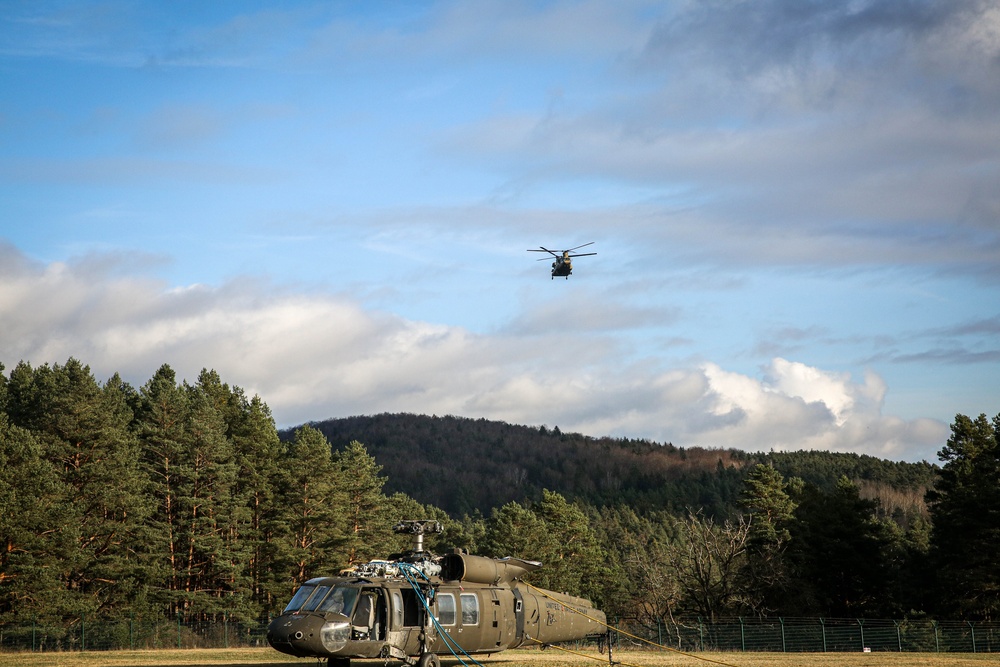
x,y
340,601
299,598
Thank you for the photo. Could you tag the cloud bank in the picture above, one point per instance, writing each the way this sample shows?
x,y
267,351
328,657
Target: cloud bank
x,y
313,356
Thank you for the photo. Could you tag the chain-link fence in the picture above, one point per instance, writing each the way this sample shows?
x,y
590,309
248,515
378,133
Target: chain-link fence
x,y
108,635
815,635
688,635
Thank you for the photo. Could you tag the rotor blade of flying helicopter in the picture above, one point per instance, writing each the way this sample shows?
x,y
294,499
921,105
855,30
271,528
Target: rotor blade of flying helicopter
x,y
582,246
543,249
582,254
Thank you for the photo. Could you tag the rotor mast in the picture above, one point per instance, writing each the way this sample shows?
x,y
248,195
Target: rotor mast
x,y
418,529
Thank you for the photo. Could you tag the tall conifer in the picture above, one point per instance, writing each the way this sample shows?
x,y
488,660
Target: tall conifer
x,y
965,509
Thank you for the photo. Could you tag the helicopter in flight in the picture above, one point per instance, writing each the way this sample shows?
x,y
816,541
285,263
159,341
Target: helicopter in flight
x,y
563,266
415,605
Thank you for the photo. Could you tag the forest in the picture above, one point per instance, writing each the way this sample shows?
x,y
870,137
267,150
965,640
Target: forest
x,y
488,464
181,500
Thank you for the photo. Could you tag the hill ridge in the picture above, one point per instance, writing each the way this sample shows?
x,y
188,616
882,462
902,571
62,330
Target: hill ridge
x,y
464,465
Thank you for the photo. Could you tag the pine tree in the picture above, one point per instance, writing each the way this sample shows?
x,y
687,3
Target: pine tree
x,y
771,511
311,505
84,430
211,565
367,512
161,425
840,554
576,563
554,532
32,508
517,531
258,450
965,509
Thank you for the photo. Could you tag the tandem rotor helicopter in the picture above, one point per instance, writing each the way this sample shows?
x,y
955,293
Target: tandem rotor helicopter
x,y
563,266
415,605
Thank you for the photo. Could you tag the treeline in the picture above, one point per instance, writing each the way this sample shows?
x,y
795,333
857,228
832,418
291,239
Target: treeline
x,y
170,499
179,499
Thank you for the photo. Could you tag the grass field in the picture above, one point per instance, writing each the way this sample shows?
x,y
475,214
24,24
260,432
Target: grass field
x,y
518,658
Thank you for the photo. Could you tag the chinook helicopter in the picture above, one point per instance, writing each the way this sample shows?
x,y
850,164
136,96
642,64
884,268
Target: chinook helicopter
x,y
416,605
563,266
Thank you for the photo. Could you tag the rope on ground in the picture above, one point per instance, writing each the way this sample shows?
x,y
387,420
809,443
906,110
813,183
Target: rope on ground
x,y
582,655
622,632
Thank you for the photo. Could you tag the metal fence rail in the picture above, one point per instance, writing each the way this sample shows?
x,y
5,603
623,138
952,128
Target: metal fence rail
x,y
690,635
820,635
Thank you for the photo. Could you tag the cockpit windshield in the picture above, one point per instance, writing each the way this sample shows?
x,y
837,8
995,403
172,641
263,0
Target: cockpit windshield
x,y
310,597
300,596
315,598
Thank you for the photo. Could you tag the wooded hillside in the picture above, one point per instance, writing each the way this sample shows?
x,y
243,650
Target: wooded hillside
x,y
463,465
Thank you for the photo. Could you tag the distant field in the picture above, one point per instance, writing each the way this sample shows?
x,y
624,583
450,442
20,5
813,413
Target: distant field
x,y
550,658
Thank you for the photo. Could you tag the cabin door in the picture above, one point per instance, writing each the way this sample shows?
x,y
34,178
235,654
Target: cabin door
x,y
405,635
504,618
369,621
526,615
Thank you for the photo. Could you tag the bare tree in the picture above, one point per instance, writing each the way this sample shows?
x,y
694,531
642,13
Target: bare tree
x,y
710,563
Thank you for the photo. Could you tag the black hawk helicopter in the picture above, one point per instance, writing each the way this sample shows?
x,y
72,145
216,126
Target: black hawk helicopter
x,y
416,605
563,266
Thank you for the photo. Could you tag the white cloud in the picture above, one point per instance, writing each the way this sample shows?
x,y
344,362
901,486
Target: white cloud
x,y
316,356
796,406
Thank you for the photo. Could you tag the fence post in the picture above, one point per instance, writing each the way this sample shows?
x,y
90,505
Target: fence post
x,y
225,630
822,624
701,634
178,629
33,621
782,622
659,632
131,633
83,635
899,638
743,637
937,644
972,624
861,624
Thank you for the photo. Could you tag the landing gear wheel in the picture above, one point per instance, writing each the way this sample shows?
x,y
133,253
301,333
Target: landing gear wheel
x,y
429,660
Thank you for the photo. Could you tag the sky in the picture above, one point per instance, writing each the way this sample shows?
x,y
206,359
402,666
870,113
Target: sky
x,y
795,207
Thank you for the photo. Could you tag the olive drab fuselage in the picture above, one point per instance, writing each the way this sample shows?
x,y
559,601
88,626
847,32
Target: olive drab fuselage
x,y
475,605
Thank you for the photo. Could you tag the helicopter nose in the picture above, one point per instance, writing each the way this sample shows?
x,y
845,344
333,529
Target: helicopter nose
x,y
295,635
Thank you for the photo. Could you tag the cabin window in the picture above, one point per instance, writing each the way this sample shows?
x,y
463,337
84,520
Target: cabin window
x,y
316,598
299,598
470,609
340,601
397,609
446,608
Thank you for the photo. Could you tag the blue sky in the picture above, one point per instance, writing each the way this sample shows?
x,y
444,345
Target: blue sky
x,y
795,206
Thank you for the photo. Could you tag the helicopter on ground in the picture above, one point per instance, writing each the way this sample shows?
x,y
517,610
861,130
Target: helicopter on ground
x,y
563,266
415,605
